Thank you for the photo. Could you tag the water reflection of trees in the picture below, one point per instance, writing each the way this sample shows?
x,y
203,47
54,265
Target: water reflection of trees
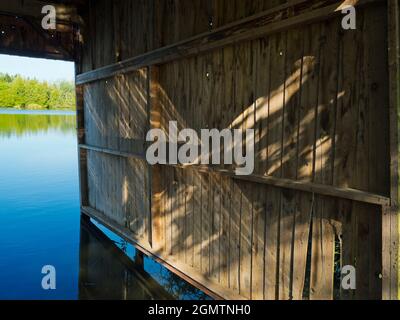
x,y
28,124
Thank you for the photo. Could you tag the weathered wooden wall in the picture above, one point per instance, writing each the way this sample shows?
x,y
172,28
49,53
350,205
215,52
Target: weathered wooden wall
x,y
316,95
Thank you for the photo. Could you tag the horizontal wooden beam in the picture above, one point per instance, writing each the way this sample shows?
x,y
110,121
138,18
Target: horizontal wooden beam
x,y
185,272
114,152
34,54
297,13
326,190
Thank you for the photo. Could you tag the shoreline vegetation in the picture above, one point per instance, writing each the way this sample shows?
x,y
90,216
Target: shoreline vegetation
x,y
18,93
15,124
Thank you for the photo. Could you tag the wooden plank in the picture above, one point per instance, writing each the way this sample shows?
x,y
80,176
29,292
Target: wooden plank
x,y
258,243
205,223
391,281
189,215
158,232
262,102
195,91
346,146
349,237
246,29
234,238
309,104
272,244
292,96
83,166
323,250
364,256
215,227
226,203
323,236
292,99
246,233
197,219
302,220
169,181
327,101
245,117
286,227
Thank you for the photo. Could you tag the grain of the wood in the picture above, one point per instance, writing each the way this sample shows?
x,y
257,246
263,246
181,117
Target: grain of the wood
x,y
246,233
375,252
302,220
227,100
83,154
242,31
189,222
366,215
272,244
158,233
174,212
169,180
323,237
347,115
349,234
292,99
309,104
195,89
244,102
234,238
323,250
181,214
258,243
215,227
391,242
292,96
226,202
286,229
262,76
205,224
197,219
365,262
255,121
327,102
274,165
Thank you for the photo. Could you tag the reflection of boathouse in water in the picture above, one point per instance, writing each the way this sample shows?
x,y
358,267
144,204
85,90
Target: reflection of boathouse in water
x,y
107,273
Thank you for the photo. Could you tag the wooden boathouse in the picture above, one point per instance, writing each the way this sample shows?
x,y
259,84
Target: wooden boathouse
x,y
324,104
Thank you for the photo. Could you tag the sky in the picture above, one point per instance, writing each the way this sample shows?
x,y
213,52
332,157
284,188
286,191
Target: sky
x,y
41,69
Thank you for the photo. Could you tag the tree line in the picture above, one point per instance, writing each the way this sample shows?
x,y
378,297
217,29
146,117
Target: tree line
x,y
31,94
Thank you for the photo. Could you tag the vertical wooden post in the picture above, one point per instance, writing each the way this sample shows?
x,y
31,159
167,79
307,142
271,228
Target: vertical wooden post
x,y
83,183
139,260
80,125
390,223
156,191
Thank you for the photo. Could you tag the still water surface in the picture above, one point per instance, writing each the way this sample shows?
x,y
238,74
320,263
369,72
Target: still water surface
x,y
40,222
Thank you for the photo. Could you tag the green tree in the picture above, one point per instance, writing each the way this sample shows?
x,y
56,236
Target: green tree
x,y
18,92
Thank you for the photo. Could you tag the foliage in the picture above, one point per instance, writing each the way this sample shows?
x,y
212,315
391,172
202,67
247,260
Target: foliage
x,y
21,124
31,94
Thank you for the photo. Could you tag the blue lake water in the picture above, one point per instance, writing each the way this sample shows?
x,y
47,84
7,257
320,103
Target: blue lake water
x,y
39,207
39,212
